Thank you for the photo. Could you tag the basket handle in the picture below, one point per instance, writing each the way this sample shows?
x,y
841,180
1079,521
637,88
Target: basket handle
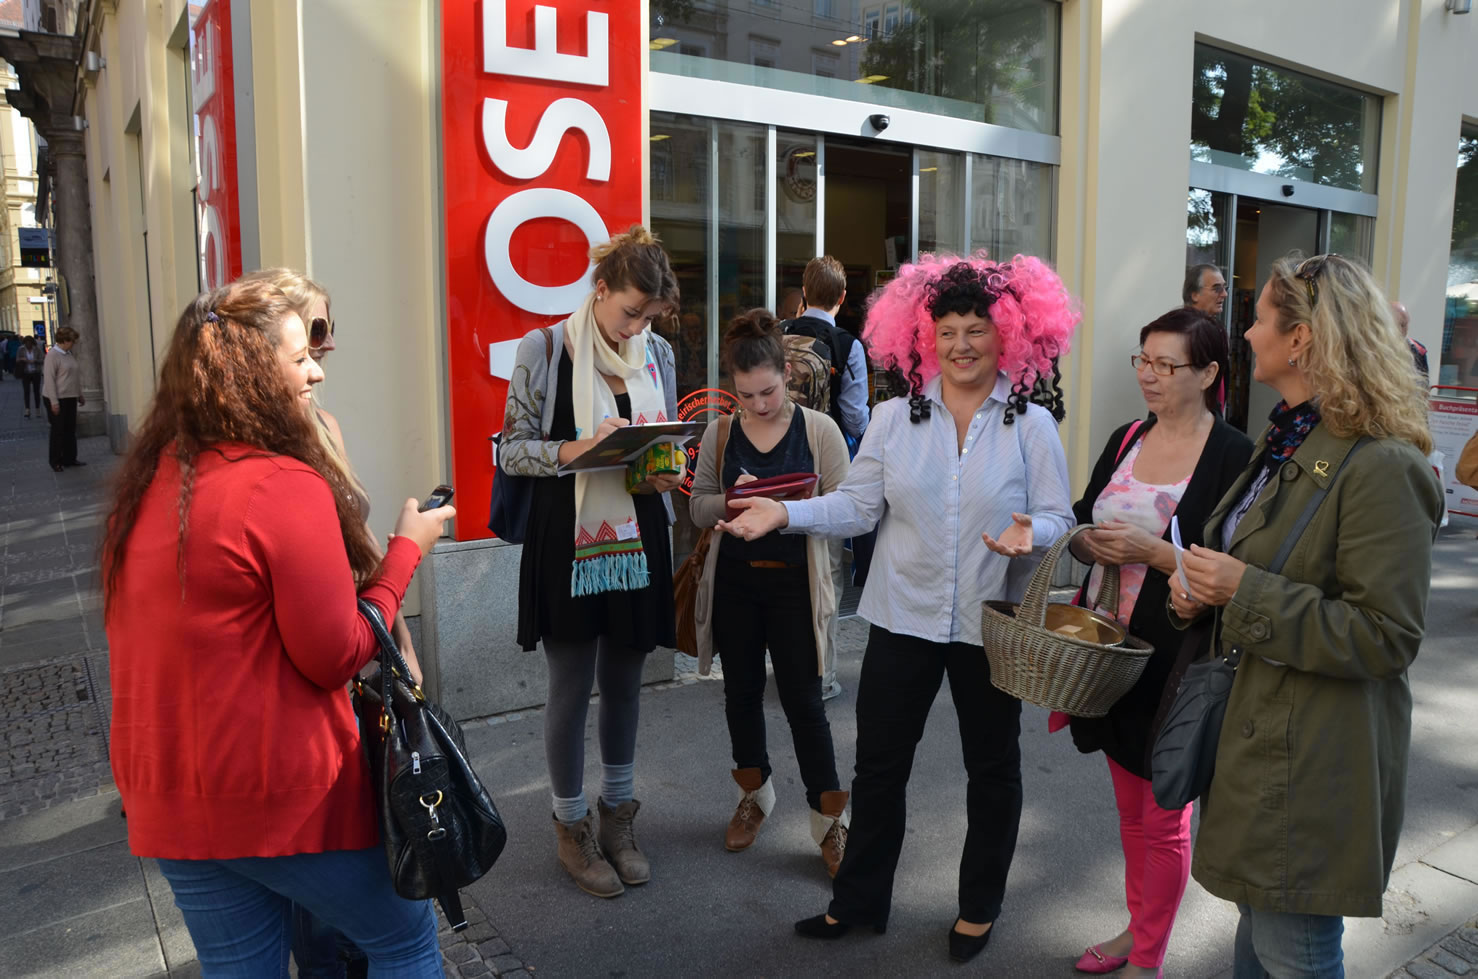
x,y
1034,602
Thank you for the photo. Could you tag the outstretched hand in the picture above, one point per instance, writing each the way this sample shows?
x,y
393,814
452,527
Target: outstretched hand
x,y
760,517
1015,540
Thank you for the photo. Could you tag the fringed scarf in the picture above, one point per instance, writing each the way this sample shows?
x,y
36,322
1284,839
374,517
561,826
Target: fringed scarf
x,y
608,549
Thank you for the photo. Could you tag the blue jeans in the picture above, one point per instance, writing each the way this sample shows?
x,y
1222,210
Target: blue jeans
x,y
1288,946
240,912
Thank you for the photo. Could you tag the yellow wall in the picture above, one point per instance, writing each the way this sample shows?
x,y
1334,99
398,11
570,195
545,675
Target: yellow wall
x,y
1126,111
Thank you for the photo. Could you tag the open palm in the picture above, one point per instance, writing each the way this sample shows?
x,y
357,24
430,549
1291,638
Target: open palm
x,y
1015,540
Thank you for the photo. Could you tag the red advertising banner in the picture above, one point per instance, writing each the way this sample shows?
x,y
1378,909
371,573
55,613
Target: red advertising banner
x,y
543,153
212,87
1454,420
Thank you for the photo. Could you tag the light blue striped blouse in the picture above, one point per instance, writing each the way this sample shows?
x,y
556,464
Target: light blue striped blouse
x,y
931,570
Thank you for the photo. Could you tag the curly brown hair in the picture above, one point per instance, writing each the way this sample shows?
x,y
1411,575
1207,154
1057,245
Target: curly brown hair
x,y
221,382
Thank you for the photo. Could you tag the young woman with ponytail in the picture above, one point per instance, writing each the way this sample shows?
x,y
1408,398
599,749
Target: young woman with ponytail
x,y
775,591
595,586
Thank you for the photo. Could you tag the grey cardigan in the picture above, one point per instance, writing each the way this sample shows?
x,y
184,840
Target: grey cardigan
x,y
526,448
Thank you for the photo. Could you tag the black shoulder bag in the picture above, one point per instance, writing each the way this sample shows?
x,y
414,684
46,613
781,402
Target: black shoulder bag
x,y
440,828
1184,755
513,496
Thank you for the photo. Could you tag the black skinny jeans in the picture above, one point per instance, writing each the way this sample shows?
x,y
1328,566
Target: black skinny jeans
x,y
63,444
31,385
900,678
753,608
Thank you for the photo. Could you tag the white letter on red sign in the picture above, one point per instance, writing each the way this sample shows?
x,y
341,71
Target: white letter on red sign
x,y
531,161
543,60
538,202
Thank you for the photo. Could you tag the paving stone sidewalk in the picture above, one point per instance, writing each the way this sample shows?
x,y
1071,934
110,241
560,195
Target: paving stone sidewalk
x,y
1455,955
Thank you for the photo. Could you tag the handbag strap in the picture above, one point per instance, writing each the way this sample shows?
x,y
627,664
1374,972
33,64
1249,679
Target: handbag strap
x,y
1128,439
1309,510
392,664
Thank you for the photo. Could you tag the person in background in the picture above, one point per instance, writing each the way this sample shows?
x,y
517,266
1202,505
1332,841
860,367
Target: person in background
x,y
1300,825
823,293
232,554
964,455
1418,349
28,364
1204,289
791,303
61,386
598,605
774,592
1179,462
8,347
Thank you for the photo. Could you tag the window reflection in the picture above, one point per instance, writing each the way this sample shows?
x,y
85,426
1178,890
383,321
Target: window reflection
x,y
1460,319
1256,117
989,60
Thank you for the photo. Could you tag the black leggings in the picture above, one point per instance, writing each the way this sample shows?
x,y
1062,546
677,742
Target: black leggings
x,y
758,607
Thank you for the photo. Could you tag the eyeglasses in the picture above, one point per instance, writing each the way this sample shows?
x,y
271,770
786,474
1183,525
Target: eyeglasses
x,y
1220,288
1162,367
1308,271
319,330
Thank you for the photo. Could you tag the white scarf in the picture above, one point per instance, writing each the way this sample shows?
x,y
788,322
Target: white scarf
x,y
608,549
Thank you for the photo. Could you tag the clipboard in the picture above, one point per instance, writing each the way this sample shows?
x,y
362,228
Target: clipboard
x,y
626,444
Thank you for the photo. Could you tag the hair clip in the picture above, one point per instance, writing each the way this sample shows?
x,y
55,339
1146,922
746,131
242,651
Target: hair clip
x,y
211,317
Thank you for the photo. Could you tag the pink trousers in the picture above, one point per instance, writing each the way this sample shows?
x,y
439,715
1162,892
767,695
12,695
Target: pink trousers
x,y
1157,864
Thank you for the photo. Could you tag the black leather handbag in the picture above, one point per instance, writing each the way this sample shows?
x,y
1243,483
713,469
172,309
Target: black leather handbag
x,y
1183,758
440,828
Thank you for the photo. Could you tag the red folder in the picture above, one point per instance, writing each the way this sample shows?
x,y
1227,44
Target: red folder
x,y
791,486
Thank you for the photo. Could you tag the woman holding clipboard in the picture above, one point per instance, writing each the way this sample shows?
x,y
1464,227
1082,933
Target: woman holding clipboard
x,y
773,591
595,586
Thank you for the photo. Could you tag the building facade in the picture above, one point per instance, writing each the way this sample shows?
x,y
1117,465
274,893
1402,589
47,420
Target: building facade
x,y
1121,139
24,308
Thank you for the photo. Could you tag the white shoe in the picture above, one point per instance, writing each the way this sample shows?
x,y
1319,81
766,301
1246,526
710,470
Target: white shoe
x,y
830,690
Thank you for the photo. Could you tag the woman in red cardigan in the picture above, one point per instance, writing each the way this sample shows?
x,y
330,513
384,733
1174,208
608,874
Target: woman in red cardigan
x,y
231,560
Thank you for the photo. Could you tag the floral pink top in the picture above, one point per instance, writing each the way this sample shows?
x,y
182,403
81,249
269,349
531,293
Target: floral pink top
x,y
1142,504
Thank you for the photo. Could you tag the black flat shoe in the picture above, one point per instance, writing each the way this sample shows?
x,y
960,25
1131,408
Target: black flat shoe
x,y
819,927
963,948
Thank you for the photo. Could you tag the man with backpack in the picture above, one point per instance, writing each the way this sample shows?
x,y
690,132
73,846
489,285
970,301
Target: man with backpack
x,y
828,372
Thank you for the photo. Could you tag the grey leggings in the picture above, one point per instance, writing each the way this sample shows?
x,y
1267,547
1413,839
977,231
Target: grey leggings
x,y
573,666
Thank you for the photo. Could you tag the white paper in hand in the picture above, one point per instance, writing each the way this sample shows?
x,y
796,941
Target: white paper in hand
x,y
1180,558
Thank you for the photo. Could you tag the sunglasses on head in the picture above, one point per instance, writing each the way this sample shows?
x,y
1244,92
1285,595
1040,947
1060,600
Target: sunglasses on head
x,y
319,330
1308,271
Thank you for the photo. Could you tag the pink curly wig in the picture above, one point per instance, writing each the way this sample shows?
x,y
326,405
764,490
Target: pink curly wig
x,y
1031,309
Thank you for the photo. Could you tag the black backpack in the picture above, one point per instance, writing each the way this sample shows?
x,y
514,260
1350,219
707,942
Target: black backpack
x,y
833,339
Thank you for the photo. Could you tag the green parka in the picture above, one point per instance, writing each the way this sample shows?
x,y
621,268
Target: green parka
x,y
1305,809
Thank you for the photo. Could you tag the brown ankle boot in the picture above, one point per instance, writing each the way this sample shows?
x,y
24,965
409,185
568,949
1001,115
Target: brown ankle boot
x,y
618,840
756,799
829,828
579,854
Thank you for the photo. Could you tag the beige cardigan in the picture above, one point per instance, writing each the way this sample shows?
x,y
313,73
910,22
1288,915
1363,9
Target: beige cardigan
x,y
706,508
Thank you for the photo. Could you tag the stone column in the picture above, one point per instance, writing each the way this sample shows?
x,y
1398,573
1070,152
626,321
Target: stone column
x,y
73,223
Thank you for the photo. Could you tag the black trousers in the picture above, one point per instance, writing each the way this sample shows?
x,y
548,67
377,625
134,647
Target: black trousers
x,y
900,678
63,432
758,607
31,385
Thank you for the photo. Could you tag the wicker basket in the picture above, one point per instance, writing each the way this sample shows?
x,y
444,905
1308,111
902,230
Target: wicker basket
x,y
1032,663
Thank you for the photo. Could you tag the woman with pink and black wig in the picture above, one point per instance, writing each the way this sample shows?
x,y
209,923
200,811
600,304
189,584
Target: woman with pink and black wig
x,y
964,456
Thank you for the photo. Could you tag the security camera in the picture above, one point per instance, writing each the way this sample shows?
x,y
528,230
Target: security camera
x,y
1288,190
879,121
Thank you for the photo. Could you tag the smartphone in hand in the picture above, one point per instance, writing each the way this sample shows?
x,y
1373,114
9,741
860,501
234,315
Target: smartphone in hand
x,y
439,497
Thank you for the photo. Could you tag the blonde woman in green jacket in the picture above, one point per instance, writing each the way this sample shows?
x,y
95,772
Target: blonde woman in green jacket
x,y
1300,825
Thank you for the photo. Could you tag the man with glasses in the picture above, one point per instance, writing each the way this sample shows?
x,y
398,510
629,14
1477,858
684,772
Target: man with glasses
x,y
1205,289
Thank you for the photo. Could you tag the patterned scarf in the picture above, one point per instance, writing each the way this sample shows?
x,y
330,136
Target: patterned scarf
x,y
608,550
1290,426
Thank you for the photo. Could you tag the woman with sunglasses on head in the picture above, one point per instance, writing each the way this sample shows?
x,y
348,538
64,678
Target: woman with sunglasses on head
x,y
775,592
1300,825
598,605
965,455
232,555
1176,463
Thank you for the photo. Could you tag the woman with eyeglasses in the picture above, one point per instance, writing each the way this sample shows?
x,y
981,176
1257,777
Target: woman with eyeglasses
x,y
1303,816
1175,463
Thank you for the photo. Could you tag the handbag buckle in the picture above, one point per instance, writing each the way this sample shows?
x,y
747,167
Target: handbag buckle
x,y
384,722
438,831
